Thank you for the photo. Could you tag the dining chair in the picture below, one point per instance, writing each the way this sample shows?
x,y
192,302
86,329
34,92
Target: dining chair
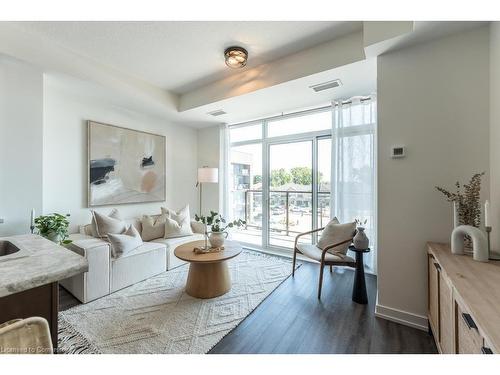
x,y
323,256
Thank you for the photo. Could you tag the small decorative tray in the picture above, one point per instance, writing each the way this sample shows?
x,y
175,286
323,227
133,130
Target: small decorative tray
x,y
201,250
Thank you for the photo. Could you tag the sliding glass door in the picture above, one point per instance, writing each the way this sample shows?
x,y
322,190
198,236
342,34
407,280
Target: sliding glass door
x,y
290,192
281,179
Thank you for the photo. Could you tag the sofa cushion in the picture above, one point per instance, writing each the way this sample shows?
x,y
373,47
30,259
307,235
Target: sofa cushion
x,y
144,248
105,224
197,226
335,232
177,224
124,243
153,226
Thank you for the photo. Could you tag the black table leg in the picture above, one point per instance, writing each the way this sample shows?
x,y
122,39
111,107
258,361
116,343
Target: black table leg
x,y
359,288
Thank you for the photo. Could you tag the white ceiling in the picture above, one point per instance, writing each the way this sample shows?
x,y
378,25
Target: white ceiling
x,y
359,78
152,66
182,56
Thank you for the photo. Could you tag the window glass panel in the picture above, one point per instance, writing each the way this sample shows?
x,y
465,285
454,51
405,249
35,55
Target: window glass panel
x,y
302,124
324,180
245,191
245,133
290,196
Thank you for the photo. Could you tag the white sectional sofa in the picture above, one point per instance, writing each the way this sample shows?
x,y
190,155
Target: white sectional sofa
x,y
107,274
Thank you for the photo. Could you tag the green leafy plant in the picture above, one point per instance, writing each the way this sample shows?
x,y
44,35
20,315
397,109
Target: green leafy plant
x,y
53,227
217,222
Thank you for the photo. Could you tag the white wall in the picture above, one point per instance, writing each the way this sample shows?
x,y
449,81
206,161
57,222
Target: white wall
x,y
433,98
495,133
21,107
67,107
209,155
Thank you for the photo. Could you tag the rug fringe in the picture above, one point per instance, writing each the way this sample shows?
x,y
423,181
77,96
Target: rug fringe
x,y
73,342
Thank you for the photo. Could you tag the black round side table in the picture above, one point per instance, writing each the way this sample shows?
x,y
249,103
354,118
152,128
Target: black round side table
x,y
359,288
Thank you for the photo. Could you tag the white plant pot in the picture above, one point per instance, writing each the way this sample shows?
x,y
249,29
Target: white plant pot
x,y
54,237
217,239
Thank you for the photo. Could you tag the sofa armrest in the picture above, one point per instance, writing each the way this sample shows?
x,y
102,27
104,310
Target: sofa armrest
x,y
95,282
85,245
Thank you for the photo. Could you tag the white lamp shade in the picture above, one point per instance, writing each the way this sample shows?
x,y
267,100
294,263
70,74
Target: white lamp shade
x,y
210,175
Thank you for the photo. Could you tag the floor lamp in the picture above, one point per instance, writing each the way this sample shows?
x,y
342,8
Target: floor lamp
x,y
206,175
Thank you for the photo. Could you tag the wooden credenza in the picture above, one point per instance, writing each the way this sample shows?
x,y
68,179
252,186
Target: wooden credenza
x,y
463,301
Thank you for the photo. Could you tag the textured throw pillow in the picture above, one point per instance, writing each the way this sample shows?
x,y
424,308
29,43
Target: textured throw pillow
x,y
335,232
106,224
124,243
177,224
153,227
115,214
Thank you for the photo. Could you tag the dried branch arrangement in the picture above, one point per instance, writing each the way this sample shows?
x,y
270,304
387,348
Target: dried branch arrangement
x,y
469,210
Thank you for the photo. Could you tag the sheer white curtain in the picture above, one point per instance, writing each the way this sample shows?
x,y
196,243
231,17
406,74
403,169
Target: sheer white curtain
x,y
353,194
224,142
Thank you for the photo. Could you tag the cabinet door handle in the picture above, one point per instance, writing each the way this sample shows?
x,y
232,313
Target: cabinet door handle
x,y
469,321
438,267
486,350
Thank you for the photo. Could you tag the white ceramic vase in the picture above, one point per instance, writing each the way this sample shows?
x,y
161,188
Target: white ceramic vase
x,y
360,240
217,239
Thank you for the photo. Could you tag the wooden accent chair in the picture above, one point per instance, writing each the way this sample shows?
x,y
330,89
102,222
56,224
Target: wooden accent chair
x,y
324,257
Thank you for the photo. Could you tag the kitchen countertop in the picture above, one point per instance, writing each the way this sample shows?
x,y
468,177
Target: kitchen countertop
x,y
38,262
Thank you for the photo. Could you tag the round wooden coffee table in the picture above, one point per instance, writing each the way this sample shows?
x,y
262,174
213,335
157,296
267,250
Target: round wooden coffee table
x,y
208,273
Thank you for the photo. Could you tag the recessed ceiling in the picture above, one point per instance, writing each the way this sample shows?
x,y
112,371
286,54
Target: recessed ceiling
x,y
182,56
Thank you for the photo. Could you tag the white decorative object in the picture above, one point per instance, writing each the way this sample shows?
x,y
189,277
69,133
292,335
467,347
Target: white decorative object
x,y
217,239
487,213
479,242
456,221
360,240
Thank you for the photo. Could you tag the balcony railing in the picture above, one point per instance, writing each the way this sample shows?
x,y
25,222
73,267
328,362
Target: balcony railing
x,y
294,206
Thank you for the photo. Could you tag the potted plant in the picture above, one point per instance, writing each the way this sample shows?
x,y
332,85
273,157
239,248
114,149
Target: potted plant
x,y
218,227
54,227
467,209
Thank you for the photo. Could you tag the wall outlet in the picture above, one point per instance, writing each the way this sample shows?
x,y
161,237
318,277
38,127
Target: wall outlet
x,y
398,152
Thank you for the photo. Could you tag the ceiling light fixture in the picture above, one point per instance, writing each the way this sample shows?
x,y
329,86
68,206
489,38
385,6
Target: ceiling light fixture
x,y
236,57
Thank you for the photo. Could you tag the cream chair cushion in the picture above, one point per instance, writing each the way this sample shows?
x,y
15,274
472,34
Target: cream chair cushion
x,y
153,226
313,252
335,232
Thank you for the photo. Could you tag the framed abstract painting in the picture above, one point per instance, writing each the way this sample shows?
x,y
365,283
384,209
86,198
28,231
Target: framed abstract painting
x,y
125,165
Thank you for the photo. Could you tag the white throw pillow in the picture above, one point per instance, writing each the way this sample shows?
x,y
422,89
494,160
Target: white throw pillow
x,y
335,232
153,227
105,224
124,243
177,224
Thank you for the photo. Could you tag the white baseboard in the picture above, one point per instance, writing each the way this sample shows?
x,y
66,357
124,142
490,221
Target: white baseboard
x,y
402,317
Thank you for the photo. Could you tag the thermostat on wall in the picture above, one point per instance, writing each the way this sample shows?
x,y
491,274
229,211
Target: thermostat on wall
x,y
398,152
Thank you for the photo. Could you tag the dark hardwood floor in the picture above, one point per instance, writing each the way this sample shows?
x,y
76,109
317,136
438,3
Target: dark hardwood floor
x,y
292,320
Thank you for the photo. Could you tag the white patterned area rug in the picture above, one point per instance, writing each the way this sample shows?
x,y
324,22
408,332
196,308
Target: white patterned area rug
x,y
157,316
